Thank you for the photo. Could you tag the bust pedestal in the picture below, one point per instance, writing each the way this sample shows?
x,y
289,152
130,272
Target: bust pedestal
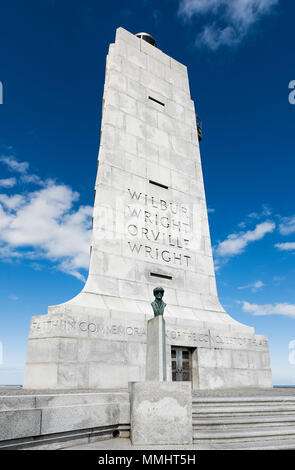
x,y
161,411
156,350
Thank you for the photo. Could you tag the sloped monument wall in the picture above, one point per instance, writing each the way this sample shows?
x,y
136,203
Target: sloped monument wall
x,y
150,227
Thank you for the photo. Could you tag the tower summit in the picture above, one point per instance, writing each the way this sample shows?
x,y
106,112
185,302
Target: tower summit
x,y
150,228
147,37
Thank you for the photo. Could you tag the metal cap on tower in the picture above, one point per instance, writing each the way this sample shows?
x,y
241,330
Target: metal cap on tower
x,y
147,37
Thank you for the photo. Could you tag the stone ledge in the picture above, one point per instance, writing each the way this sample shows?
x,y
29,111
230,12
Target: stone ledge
x,y
28,417
65,440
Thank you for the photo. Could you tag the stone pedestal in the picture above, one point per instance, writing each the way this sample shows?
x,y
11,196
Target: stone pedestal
x,y
156,350
161,413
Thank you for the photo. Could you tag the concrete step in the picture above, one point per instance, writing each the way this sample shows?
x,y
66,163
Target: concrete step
x,y
239,411
246,399
242,422
244,435
236,404
272,405
260,445
266,445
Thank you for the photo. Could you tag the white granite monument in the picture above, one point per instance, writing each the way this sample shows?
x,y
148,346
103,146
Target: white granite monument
x,y
150,228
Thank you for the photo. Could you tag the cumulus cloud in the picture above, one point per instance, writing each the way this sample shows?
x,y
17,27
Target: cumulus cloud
x,y
288,246
227,21
32,179
287,225
7,182
269,309
22,168
11,202
13,164
265,211
45,224
254,287
236,243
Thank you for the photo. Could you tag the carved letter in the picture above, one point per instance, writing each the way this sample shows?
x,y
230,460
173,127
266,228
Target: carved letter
x,y
133,231
148,251
134,211
167,260
134,194
135,247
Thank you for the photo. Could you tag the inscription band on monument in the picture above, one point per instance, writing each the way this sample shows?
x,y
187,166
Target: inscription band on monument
x,y
158,222
187,337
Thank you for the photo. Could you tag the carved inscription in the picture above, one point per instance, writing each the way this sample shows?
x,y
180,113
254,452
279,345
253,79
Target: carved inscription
x,y
158,230
188,336
217,341
95,327
78,327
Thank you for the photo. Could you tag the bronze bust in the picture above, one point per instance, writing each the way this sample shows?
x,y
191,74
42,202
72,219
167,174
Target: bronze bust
x,y
158,304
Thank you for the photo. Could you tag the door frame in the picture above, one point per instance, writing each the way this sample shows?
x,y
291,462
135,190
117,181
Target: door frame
x,y
193,363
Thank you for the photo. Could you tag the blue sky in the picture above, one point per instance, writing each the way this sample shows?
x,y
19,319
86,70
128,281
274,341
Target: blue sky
x,y
240,57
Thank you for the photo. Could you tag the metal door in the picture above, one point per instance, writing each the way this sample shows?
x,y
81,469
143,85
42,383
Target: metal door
x,y
181,364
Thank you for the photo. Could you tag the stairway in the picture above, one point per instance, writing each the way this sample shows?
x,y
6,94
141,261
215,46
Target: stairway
x,y
244,422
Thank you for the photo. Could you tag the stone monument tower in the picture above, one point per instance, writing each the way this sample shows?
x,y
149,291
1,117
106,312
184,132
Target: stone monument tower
x,y
150,227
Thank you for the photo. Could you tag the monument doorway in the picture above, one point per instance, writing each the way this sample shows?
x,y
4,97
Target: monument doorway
x,y
181,363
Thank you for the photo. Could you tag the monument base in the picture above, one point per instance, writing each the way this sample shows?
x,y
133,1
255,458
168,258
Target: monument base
x,y
259,419
161,413
80,346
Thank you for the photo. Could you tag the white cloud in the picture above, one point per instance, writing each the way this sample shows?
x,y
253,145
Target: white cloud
x,y
237,242
214,37
7,182
12,202
13,164
19,167
254,287
32,179
269,309
265,212
227,21
45,224
287,225
258,285
288,246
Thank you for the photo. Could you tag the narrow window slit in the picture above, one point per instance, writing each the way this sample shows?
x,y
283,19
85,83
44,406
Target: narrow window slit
x,y
161,276
158,184
156,101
